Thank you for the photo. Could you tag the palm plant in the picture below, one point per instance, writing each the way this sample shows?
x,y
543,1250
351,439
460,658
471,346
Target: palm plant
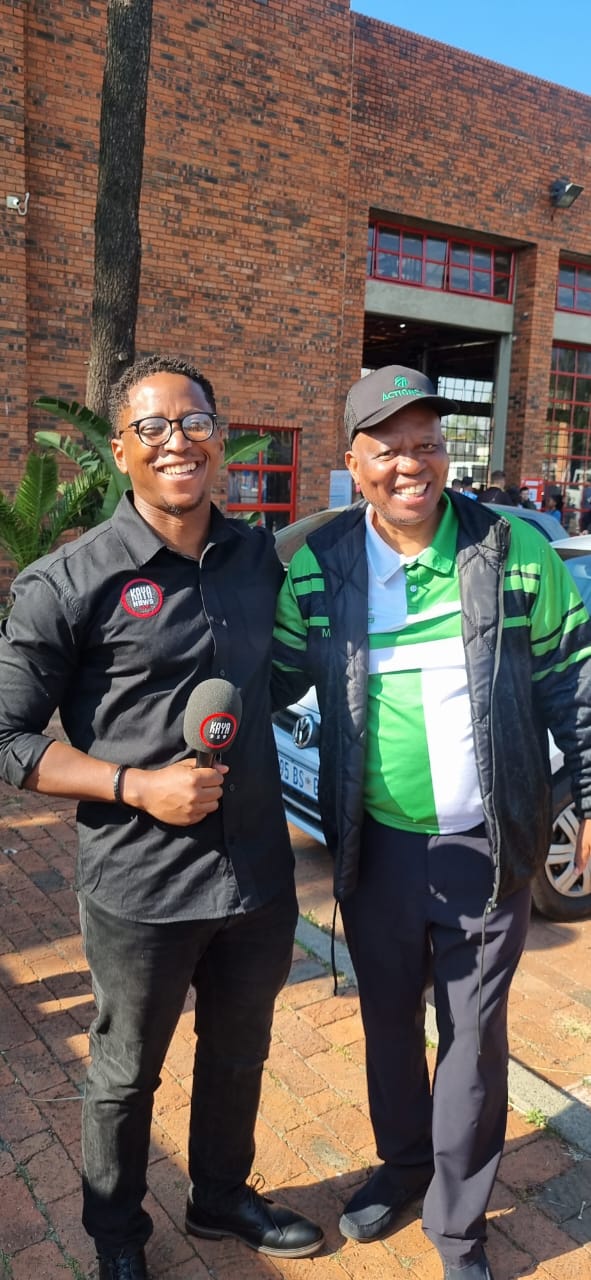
x,y
96,461
42,509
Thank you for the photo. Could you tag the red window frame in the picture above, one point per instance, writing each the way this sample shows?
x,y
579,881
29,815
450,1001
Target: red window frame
x,y
260,469
567,448
420,257
573,288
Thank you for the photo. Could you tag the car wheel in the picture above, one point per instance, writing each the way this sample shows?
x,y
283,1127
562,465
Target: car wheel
x,y
560,892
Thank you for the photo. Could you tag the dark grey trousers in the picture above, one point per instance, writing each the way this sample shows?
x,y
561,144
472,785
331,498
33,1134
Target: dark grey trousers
x,y
141,974
416,918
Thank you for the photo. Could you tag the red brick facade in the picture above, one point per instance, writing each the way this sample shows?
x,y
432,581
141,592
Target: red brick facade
x,y
274,127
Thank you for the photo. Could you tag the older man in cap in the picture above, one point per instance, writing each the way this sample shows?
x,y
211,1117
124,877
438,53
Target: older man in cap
x,y
424,620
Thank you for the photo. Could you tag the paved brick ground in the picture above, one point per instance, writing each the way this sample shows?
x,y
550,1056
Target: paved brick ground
x,y
314,1140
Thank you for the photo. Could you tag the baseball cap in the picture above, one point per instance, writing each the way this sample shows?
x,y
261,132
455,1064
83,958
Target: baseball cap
x,y
380,394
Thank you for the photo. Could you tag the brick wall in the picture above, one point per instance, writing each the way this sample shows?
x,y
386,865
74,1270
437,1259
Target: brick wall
x,y
273,128
13,259
442,136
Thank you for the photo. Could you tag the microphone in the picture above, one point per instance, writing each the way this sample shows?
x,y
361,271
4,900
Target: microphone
x,y
212,719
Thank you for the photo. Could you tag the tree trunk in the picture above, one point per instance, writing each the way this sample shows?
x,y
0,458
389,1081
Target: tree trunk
x,y
117,246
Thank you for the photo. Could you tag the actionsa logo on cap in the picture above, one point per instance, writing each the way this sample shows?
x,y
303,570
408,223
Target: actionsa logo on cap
x,y
380,394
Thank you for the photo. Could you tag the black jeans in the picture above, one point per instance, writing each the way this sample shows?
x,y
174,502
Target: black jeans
x,y
141,974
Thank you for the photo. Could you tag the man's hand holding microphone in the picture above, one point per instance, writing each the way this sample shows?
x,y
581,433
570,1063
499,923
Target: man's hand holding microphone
x,y
182,793
185,792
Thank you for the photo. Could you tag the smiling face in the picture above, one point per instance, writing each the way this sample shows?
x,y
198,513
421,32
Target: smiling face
x,y
171,482
401,468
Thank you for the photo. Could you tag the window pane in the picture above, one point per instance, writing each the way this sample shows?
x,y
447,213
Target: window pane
x,y
460,254
243,487
412,270
566,297
564,388
460,279
413,244
370,235
388,265
481,258
277,486
501,287
434,275
583,362
436,249
566,359
584,279
234,433
581,417
275,520
582,389
582,301
481,282
566,275
502,261
280,448
389,240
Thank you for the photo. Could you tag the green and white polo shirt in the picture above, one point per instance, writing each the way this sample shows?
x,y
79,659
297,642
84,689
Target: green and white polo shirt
x,y
420,772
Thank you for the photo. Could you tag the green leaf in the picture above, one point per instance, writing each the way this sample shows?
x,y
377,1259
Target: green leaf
x,y
112,496
72,449
246,448
23,532
94,429
14,536
37,490
78,414
69,510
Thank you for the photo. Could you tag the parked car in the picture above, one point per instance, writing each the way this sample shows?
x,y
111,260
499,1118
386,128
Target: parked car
x,y
559,892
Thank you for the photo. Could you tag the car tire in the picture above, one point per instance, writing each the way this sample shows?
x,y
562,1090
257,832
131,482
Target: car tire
x,y
558,892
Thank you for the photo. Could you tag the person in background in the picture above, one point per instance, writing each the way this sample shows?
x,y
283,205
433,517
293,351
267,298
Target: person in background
x,y
468,489
424,620
524,498
585,516
496,490
184,873
456,485
555,503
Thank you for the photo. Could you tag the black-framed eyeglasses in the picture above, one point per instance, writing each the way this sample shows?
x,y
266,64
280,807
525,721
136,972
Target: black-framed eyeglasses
x,y
156,430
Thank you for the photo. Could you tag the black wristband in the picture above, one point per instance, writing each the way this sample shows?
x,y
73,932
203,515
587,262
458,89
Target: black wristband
x,y
117,778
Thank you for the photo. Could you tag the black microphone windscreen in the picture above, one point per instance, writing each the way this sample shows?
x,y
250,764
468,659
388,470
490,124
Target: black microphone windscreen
x,y
212,716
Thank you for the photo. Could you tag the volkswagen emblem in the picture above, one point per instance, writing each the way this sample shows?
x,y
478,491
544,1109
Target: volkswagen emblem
x,y
303,731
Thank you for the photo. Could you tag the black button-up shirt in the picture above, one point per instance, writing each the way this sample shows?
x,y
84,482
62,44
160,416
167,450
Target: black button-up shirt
x,y
116,629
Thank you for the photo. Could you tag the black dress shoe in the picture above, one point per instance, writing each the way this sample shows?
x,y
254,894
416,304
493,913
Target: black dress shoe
x,y
372,1212
130,1268
477,1269
257,1222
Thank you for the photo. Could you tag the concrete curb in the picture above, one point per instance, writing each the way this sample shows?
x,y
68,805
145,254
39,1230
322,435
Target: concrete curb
x,y
568,1117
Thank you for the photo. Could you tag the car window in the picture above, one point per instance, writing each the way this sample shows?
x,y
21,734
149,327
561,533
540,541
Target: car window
x,y
580,570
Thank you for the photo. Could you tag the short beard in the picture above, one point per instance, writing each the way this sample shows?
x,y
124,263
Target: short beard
x,y
179,512
396,520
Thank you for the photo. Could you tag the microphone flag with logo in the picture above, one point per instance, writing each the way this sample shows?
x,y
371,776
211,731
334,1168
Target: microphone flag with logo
x,y
212,719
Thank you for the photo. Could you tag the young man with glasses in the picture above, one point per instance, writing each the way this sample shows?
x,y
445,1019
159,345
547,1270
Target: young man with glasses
x,y
185,874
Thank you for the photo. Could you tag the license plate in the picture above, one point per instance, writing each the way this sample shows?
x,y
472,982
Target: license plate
x,y
295,776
